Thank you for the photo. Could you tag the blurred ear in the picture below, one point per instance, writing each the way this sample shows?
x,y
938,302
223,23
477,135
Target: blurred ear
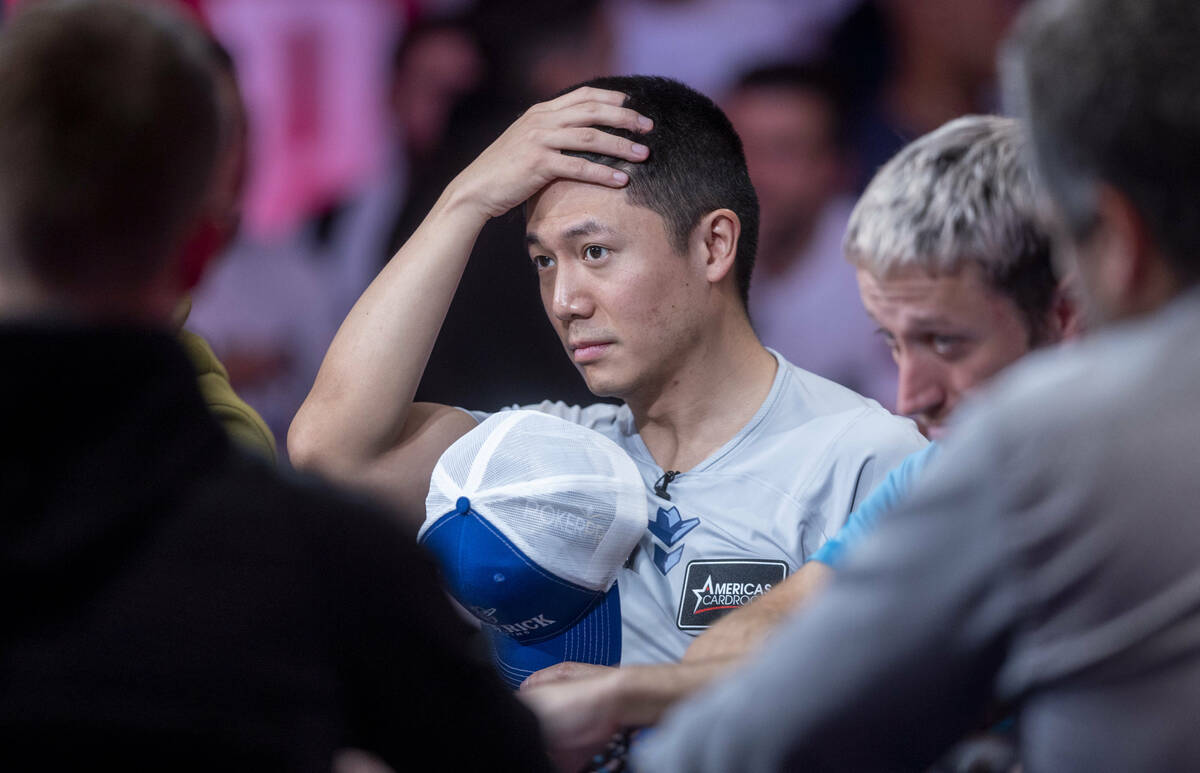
x,y
206,239
1066,317
1128,272
718,232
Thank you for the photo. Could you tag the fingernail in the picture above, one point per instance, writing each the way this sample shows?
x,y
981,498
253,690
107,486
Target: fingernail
x,y
639,149
645,122
621,177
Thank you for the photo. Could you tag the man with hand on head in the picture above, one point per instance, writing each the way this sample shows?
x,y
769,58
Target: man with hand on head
x,y
1049,559
643,242
956,305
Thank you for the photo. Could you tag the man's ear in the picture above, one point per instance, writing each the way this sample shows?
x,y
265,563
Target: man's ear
x,y
718,233
1129,272
207,238
1066,316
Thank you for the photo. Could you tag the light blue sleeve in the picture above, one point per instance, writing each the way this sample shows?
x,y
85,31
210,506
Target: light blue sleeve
x,y
894,488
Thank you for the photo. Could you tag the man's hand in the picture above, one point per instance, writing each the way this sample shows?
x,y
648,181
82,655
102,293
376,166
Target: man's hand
x,y
527,156
581,706
563,672
578,706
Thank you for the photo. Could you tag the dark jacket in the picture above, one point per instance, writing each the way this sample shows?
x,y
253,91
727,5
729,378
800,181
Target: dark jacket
x,y
169,602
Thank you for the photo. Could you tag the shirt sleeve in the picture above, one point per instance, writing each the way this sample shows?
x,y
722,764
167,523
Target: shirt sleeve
x,y
885,497
891,663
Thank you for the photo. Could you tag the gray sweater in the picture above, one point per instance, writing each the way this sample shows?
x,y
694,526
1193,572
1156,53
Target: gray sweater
x,y
1050,561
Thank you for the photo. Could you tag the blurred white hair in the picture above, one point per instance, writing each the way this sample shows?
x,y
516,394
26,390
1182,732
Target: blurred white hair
x,y
960,194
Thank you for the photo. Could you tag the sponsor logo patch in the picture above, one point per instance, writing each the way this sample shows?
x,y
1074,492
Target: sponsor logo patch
x,y
715,588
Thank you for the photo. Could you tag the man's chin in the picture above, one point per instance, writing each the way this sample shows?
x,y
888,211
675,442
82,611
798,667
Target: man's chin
x,y
603,385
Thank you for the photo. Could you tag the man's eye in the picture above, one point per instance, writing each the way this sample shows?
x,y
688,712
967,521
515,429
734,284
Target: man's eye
x,y
889,340
946,346
595,252
542,261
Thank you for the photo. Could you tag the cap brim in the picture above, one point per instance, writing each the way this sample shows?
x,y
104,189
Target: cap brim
x,y
594,639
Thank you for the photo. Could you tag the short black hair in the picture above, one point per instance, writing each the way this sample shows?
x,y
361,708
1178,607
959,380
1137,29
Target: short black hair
x,y
696,163
108,138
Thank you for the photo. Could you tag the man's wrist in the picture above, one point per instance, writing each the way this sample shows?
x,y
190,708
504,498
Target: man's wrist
x,y
460,201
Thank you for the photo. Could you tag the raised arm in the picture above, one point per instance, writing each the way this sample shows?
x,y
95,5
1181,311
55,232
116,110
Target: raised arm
x,y
359,425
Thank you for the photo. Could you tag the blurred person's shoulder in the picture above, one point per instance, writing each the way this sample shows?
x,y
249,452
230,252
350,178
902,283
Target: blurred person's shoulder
x,y
300,512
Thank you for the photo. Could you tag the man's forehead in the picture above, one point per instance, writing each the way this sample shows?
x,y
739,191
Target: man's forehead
x,y
922,298
566,210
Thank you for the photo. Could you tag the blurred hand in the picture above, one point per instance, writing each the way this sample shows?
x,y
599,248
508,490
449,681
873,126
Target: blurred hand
x,y
562,672
577,705
528,155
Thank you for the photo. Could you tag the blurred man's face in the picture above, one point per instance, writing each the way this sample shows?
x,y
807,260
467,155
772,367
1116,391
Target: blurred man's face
x,y
438,69
964,34
788,136
948,334
626,306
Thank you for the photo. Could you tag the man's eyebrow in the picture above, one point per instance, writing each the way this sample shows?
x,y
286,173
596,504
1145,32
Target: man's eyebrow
x,y
586,228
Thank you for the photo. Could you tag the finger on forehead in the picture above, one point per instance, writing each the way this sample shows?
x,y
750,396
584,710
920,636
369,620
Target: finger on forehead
x,y
587,94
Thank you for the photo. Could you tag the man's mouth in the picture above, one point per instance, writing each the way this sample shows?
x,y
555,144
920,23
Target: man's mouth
x,y
583,352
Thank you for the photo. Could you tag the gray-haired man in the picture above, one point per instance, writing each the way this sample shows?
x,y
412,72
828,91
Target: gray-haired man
x,y
1050,559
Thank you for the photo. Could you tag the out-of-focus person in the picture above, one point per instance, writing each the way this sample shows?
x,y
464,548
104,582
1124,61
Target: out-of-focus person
x,y
939,63
170,602
1049,559
803,296
708,43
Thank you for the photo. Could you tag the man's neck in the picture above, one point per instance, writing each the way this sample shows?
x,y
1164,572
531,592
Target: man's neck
x,y
707,400
150,302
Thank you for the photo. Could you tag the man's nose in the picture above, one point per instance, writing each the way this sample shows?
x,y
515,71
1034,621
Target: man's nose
x,y
570,299
920,391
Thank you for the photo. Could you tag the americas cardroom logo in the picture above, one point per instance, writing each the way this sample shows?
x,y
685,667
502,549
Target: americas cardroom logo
x,y
715,588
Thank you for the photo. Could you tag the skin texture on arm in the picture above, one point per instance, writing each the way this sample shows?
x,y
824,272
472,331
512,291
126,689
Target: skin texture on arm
x,y
743,630
359,425
581,706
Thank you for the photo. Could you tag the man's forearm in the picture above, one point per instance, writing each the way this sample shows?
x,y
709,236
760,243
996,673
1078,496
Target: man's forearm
x,y
646,693
364,389
579,715
744,630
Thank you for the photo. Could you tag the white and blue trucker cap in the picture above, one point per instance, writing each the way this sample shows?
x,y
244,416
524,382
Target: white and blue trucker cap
x,y
531,518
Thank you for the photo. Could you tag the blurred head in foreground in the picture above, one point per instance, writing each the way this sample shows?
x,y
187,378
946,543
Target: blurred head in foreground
x,y
109,136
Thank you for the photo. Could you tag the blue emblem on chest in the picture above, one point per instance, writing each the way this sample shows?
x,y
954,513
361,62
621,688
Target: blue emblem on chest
x,y
669,527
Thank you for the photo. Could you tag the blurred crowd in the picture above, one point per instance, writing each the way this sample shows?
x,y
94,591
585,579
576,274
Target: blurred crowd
x,y
358,112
